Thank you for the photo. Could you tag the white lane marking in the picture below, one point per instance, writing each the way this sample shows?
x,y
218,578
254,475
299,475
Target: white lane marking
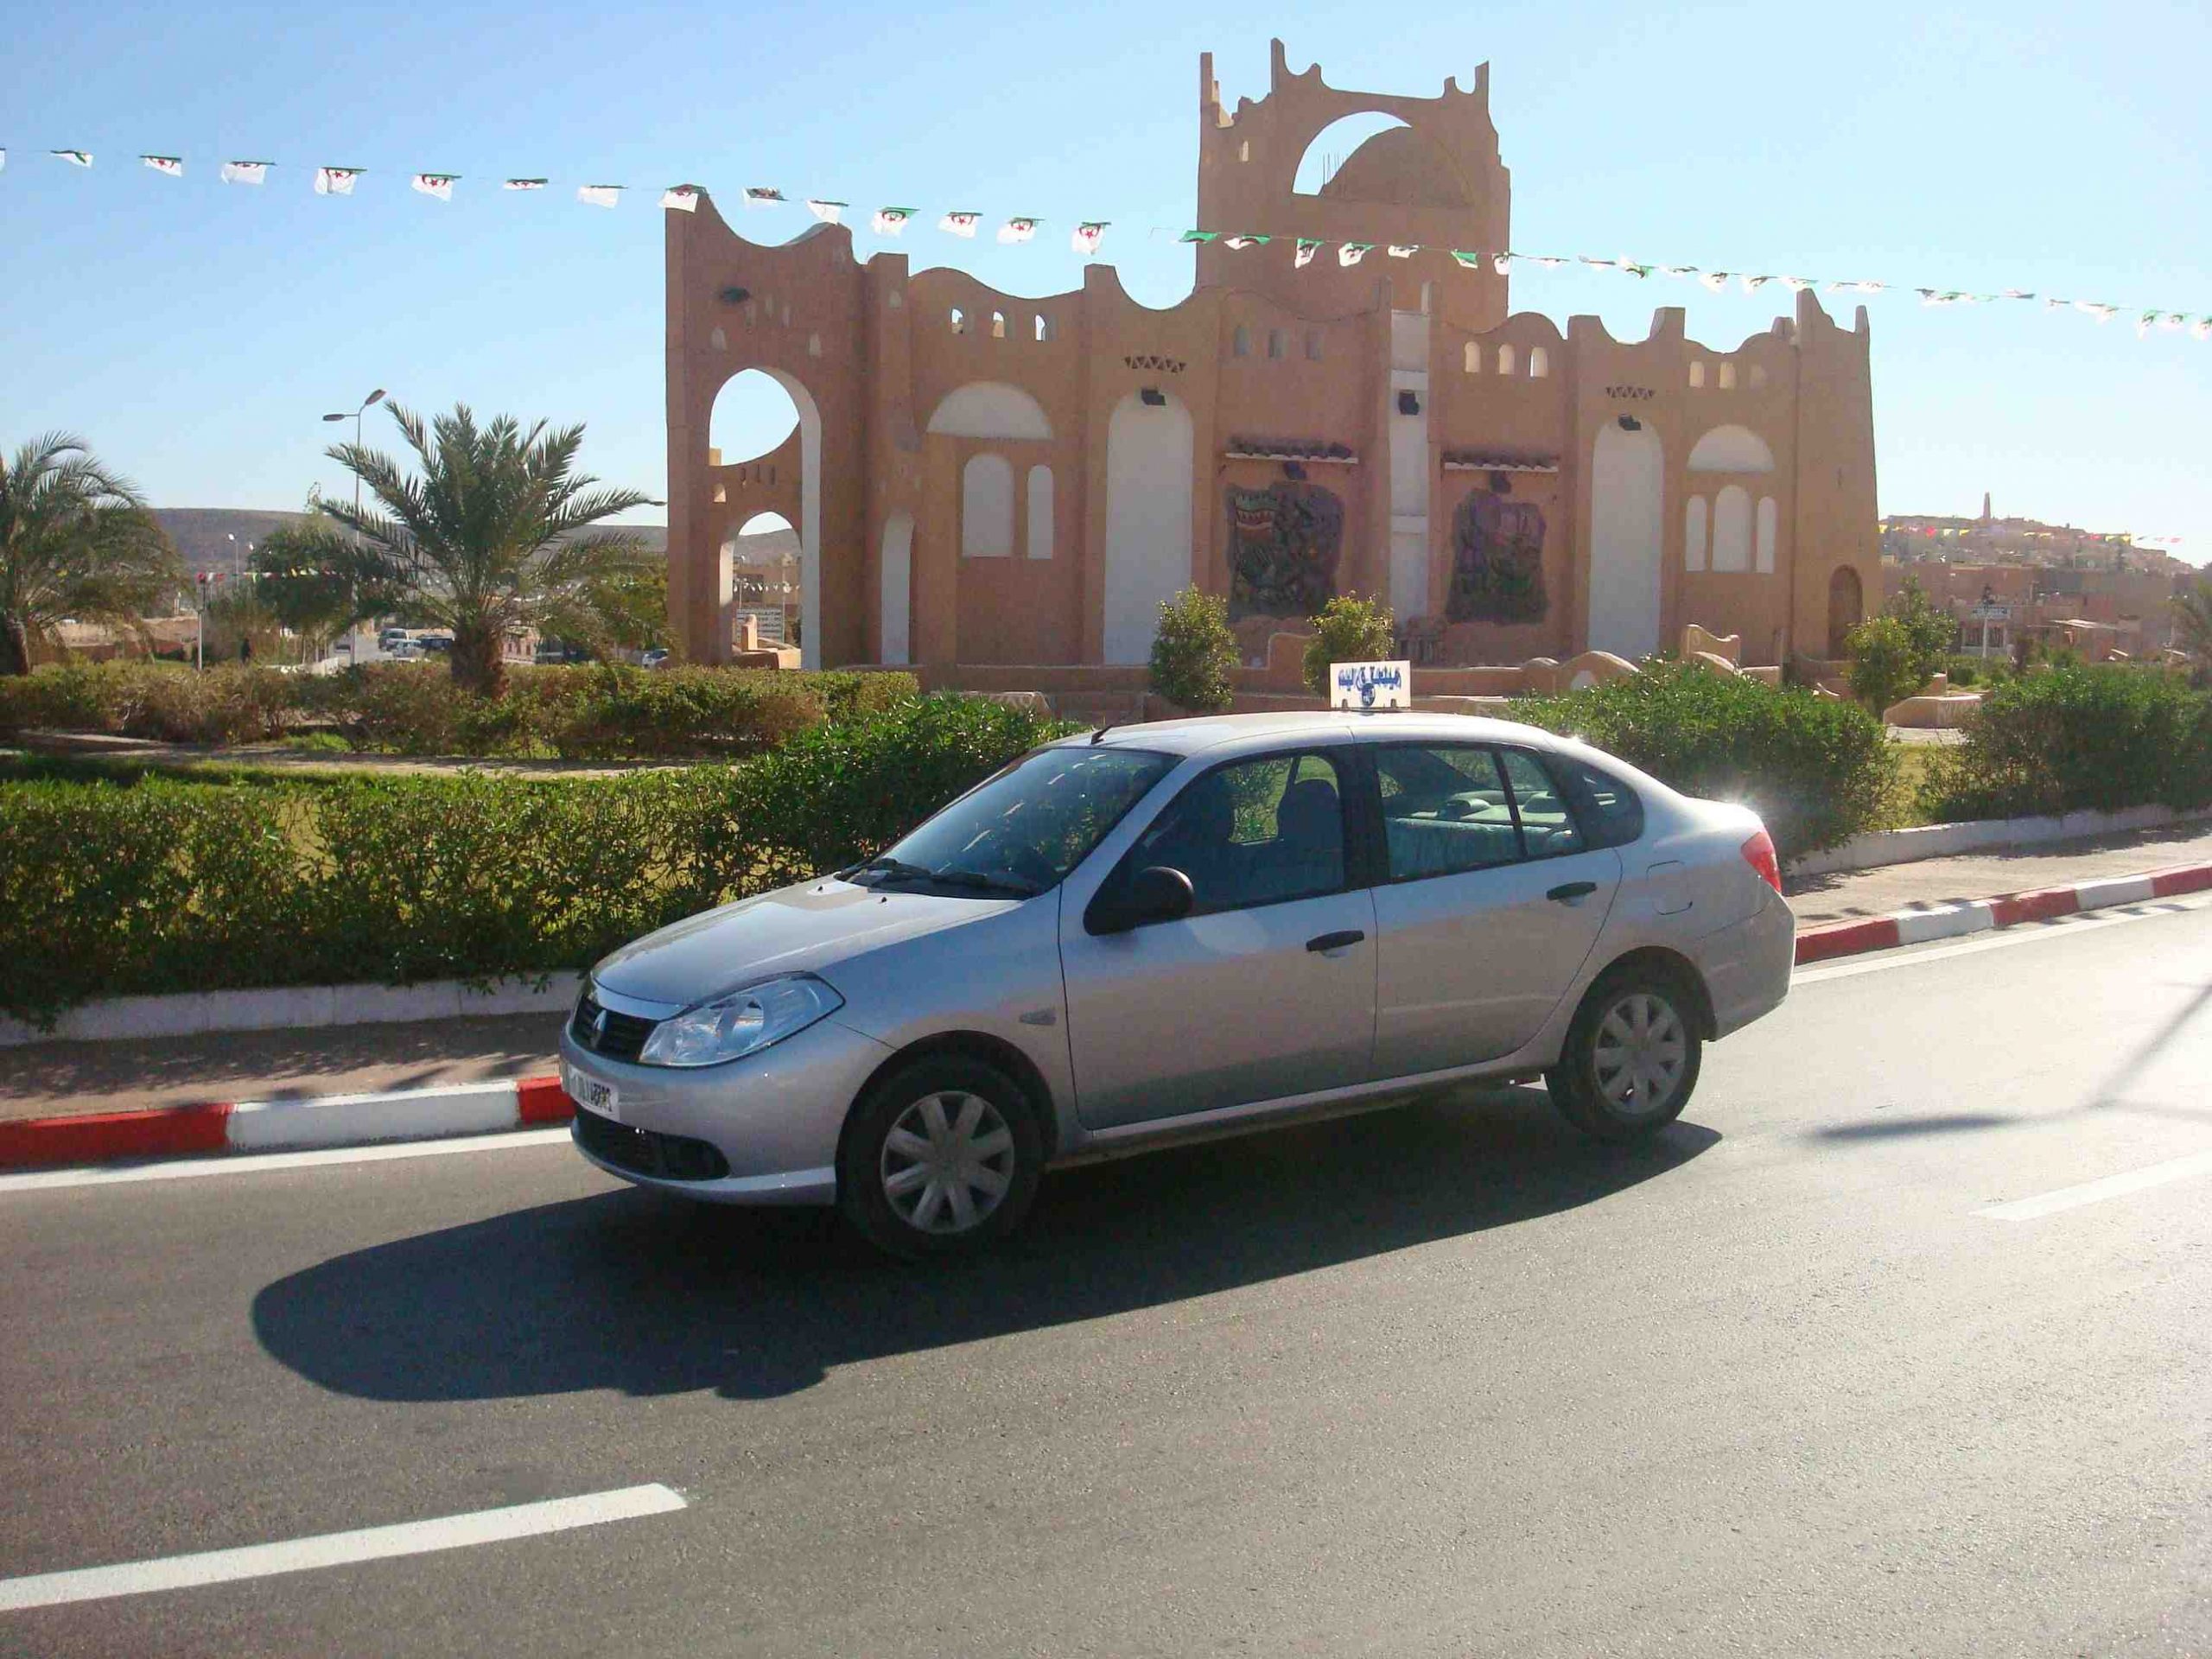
x,y
338,1548
2112,1187
185,1168
2024,933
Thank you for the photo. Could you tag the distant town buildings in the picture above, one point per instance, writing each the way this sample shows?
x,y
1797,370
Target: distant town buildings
x,y
2096,591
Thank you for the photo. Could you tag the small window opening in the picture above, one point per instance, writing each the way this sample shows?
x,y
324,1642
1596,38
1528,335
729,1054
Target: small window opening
x,y
1313,345
1044,327
1759,376
959,321
1505,359
1727,377
1470,358
1697,374
1540,364
1275,343
997,325
1240,343
1244,150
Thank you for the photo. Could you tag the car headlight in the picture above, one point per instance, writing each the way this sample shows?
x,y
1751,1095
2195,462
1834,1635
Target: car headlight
x,y
742,1023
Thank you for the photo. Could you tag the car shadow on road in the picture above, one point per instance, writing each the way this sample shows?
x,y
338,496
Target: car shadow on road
x,y
655,1295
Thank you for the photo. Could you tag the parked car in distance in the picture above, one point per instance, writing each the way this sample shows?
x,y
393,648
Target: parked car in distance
x,y
1196,927
654,658
561,650
404,651
437,644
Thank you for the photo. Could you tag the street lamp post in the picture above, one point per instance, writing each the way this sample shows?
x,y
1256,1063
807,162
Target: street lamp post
x,y
376,397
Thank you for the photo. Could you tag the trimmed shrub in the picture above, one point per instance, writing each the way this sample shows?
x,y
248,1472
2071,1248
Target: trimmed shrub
x,y
1817,770
155,885
231,703
1194,653
2077,737
1886,663
1350,629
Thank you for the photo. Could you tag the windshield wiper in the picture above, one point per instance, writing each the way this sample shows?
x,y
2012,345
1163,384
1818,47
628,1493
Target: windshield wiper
x,y
899,867
976,880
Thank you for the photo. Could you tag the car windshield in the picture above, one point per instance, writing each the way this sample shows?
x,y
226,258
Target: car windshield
x,y
1023,830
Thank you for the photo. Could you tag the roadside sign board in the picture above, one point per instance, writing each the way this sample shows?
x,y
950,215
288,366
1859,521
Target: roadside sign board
x,y
1370,685
1992,613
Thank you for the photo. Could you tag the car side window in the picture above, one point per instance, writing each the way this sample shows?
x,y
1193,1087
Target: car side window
x,y
1255,832
1609,810
1547,826
1445,809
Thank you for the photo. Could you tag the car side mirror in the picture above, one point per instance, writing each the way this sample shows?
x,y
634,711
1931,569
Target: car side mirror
x,y
1157,894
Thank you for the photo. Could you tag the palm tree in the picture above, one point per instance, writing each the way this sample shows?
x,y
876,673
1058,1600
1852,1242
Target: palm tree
x,y
76,541
486,540
2193,627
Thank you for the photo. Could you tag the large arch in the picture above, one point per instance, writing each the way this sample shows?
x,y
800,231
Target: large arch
x,y
808,418
1627,478
1148,461
1337,143
1730,449
989,409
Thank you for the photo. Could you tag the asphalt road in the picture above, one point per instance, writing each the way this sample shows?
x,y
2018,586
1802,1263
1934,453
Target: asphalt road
x,y
1443,1380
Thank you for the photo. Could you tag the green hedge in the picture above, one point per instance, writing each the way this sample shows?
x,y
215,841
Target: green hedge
x,y
2073,738
154,884
600,712
1818,770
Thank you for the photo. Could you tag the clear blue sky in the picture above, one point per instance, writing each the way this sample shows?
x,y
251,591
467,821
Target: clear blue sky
x,y
196,331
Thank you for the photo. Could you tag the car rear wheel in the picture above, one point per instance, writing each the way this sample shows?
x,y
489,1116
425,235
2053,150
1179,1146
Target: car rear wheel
x,y
1630,1059
940,1158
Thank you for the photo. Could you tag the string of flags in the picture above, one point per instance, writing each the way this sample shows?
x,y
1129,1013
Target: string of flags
x,y
1087,236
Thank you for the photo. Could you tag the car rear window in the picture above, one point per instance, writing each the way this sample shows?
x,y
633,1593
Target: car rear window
x,y
1608,808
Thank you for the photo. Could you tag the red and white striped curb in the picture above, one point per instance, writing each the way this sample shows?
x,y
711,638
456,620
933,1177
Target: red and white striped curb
x,y
1980,915
285,1125
530,1102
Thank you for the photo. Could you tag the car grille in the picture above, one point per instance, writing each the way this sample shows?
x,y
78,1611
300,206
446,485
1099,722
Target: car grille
x,y
618,1036
646,1152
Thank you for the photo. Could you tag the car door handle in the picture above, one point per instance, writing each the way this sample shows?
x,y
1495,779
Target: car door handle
x,y
1336,941
1567,890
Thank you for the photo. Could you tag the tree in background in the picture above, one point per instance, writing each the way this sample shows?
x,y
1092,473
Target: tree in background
x,y
1932,631
488,539
2193,628
630,609
290,582
1349,629
1194,653
76,544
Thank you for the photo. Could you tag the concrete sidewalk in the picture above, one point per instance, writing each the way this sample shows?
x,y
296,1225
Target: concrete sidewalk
x,y
53,1080
1888,888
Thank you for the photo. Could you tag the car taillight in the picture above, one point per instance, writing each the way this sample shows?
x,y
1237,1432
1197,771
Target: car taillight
x,y
1758,853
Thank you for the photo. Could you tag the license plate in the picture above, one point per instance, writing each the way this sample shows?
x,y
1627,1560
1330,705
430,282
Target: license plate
x,y
601,1097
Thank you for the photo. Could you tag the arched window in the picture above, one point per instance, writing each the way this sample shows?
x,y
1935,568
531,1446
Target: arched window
x,y
1697,373
1244,150
1727,377
719,340
987,508
1694,534
1470,358
1276,345
1044,327
997,325
959,321
1540,363
814,345
1767,529
1240,343
1038,544
1505,359
1732,529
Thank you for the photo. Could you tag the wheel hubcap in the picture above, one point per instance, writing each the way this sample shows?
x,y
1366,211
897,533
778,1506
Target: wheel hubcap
x,y
1641,1052
947,1162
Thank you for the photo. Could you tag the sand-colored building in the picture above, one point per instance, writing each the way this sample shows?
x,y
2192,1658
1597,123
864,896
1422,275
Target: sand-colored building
x,y
979,480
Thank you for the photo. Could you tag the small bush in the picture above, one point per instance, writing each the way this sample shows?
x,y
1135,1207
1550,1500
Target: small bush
x,y
1967,672
1349,629
151,885
1194,653
227,704
1886,663
2074,738
1818,770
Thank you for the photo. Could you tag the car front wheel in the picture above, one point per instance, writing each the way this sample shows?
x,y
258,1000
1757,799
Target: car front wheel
x,y
1630,1059
940,1158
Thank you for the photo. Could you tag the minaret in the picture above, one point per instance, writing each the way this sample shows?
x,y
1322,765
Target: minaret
x,y
1985,507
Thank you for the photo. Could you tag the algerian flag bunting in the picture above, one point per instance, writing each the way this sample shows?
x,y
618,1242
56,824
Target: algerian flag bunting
x,y
168,166
2201,329
1681,271
1017,230
2097,309
1467,261
437,184
763,195
681,198
2018,294
1246,241
246,172
1715,280
1404,249
74,157
1351,253
959,223
1633,269
1602,264
523,184
1085,238
335,181
830,213
1303,255
600,196
889,221
1752,284
1552,261
1502,264
1201,236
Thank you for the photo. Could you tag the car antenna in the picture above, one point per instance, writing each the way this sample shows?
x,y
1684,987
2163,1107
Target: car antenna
x,y
1101,732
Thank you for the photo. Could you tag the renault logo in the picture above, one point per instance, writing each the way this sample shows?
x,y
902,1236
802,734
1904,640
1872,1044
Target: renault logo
x,y
599,1028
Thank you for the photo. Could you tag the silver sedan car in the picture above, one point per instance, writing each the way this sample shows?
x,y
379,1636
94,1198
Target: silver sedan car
x,y
1198,926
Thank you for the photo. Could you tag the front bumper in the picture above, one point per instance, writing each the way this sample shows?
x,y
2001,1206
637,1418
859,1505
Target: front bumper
x,y
772,1119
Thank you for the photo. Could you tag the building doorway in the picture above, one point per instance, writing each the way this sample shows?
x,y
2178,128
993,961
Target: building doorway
x,y
1846,610
1627,489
